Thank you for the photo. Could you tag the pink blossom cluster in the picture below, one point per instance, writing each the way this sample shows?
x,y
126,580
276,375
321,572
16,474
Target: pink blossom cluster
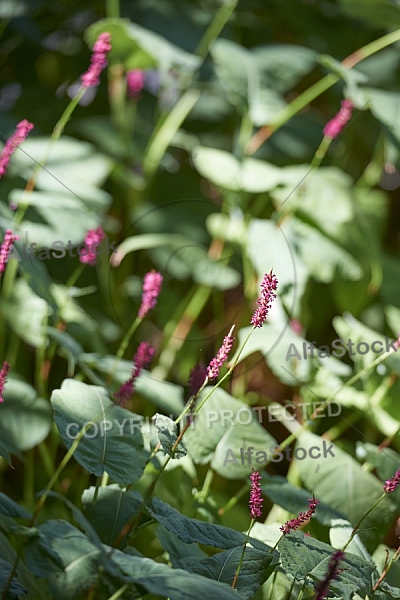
x,y
151,289
196,378
294,524
222,355
3,378
20,134
98,62
144,355
269,285
336,125
5,248
135,82
391,484
256,500
93,239
322,589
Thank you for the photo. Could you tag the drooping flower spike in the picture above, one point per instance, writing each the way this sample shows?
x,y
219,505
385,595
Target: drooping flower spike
x,y
135,82
222,355
93,239
3,378
144,355
336,125
98,62
391,484
256,500
20,134
303,517
269,285
5,248
151,290
322,589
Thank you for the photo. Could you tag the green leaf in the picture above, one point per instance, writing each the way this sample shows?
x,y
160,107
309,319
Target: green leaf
x,y
377,13
181,555
192,530
114,443
339,535
352,77
306,559
384,105
342,483
9,508
15,590
25,419
4,453
223,169
256,568
221,429
281,66
168,434
111,511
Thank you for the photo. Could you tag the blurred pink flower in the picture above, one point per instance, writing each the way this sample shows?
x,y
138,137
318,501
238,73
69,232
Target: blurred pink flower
x,y
20,134
98,62
8,241
322,589
144,355
3,378
391,484
336,125
135,82
92,240
196,378
222,355
151,289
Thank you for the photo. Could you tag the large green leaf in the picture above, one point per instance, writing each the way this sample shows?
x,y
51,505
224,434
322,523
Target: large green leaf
x,y
114,441
221,429
15,590
181,555
256,568
306,559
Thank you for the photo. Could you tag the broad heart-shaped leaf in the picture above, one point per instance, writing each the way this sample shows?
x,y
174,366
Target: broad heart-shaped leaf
x,y
25,419
256,568
163,394
141,47
168,434
15,590
113,443
385,461
176,584
341,482
307,559
221,430
193,530
181,555
9,508
111,511
294,499
223,169
339,535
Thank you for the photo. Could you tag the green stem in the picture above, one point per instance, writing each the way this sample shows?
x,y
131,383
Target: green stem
x,y
216,26
112,9
234,500
123,346
119,592
239,568
354,532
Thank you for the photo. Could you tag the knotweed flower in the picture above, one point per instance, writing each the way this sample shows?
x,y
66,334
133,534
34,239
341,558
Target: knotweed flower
x,y
98,62
336,125
135,82
3,378
391,484
322,589
256,500
151,290
294,524
20,134
144,355
92,241
269,285
222,355
8,241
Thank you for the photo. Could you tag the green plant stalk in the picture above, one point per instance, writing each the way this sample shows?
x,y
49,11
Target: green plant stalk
x,y
318,88
119,592
123,346
216,26
234,500
112,9
202,495
239,567
355,530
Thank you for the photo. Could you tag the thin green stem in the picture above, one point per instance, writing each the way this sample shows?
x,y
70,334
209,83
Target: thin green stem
x,y
355,530
123,346
239,567
216,26
234,500
119,592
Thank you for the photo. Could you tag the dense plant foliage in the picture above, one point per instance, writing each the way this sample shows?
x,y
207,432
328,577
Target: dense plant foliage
x,y
199,300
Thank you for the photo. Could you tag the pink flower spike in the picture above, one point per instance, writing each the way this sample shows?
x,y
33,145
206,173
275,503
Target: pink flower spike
x,y
3,378
391,484
93,239
269,285
144,355
20,134
151,289
98,62
135,82
196,378
5,248
336,125
303,517
322,589
222,355
256,500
